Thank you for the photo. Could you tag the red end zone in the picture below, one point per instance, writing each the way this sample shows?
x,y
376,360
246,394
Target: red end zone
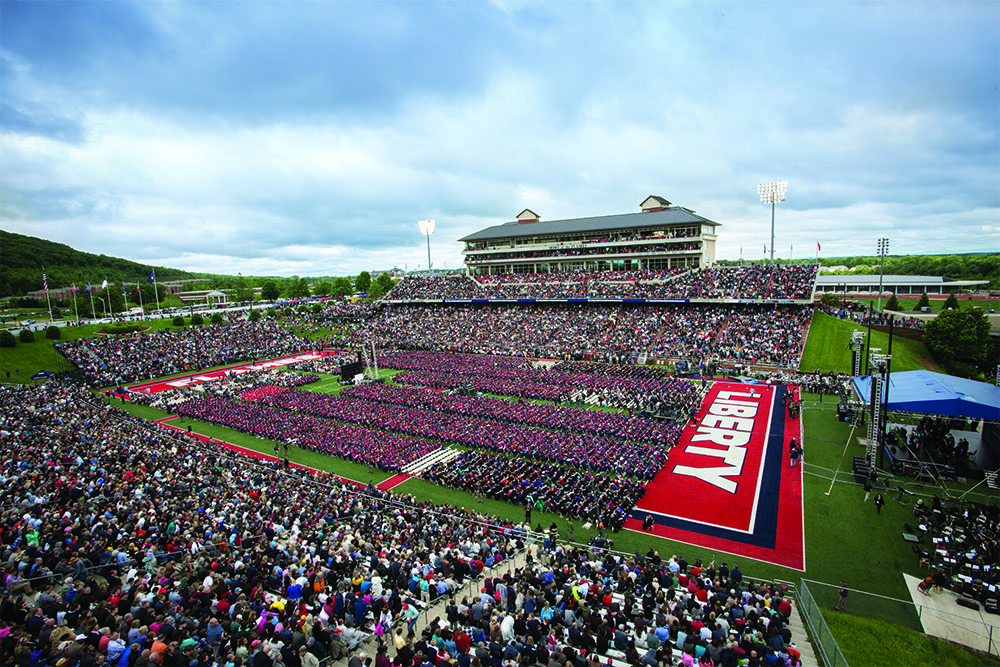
x,y
728,485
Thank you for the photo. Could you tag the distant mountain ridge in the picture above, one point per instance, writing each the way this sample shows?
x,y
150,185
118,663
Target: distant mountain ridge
x,y
22,258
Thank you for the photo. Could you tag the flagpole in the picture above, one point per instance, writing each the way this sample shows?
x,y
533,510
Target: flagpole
x,y
76,306
156,292
93,308
141,307
45,284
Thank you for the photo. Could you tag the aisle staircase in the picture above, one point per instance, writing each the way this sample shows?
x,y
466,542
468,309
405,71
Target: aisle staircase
x,y
442,455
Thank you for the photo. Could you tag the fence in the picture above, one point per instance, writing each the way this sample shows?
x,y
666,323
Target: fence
x,y
820,633
936,615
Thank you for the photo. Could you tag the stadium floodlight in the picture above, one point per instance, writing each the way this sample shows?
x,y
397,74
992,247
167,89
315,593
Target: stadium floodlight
x,y
427,228
882,248
772,193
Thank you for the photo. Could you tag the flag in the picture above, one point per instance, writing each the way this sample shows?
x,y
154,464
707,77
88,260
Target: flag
x,y
45,281
818,248
73,288
104,285
137,286
88,287
123,288
152,277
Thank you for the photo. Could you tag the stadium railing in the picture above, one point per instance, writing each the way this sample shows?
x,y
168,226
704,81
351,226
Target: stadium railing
x,y
819,631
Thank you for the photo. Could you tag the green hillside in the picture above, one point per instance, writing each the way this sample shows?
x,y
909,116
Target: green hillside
x,y
24,256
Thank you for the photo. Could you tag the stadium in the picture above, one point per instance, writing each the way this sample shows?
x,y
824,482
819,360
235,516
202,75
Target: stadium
x,y
593,445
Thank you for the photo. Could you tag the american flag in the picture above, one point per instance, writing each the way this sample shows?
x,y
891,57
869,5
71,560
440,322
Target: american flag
x,y
45,281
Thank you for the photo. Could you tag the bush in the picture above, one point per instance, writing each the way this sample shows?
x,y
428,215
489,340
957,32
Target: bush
x,y
217,318
123,328
178,321
951,302
254,315
924,301
288,311
7,339
317,307
26,336
273,313
892,303
829,300
53,333
303,308
197,319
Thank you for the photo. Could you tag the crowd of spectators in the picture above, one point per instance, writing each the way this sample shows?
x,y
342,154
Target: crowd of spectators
x,y
617,333
385,451
587,607
114,360
128,545
578,494
756,281
863,314
573,448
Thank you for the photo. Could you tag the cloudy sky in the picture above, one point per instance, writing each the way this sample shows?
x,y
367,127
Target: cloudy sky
x,y
309,137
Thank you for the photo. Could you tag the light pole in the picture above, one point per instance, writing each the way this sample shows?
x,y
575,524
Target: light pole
x,y
772,193
427,228
883,248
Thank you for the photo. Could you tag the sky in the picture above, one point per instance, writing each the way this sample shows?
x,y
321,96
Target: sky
x,y
308,138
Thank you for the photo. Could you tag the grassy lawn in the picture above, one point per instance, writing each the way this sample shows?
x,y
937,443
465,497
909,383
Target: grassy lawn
x,y
867,642
827,347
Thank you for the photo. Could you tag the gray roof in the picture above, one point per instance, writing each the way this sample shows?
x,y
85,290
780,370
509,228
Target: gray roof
x,y
675,215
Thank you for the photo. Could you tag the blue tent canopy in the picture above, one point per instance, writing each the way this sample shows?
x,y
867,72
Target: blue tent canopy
x,y
936,394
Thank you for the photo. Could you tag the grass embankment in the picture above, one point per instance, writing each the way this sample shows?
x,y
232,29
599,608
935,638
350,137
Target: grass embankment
x,y
828,347
865,641
41,355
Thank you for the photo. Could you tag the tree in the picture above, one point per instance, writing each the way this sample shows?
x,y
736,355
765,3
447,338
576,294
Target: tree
x,y
53,332
893,303
255,315
364,282
924,301
375,291
26,336
829,300
324,288
197,319
951,302
243,291
269,290
342,287
385,282
959,341
296,288
7,339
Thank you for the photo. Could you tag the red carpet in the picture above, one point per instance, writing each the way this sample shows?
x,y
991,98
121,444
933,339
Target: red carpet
x,y
728,486
393,481
189,379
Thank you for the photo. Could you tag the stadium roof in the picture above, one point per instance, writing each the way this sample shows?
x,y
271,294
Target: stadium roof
x,y
675,215
937,394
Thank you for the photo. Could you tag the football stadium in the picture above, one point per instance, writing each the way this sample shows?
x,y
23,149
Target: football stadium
x,y
593,445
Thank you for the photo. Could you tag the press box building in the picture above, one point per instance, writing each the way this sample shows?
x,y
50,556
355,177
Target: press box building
x,y
660,236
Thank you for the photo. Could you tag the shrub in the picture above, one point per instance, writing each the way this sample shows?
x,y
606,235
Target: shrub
x,y
178,321
53,332
217,318
892,303
197,319
7,339
951,302
924,301
123,328
26,336
254,315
